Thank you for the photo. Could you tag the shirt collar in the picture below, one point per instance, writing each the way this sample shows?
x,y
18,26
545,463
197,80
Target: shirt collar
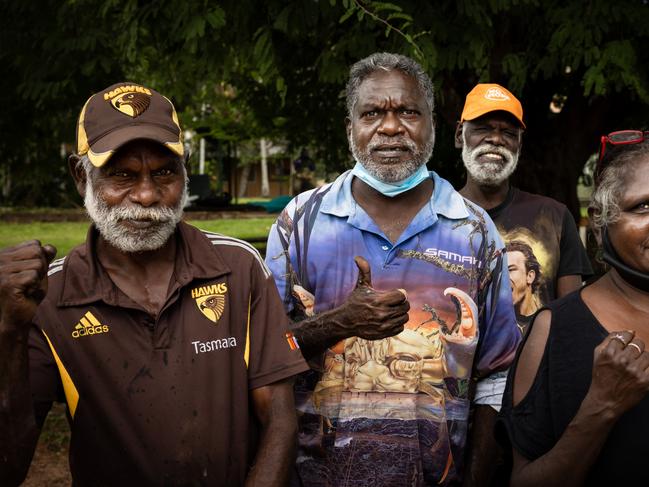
x,y
445,200
85,280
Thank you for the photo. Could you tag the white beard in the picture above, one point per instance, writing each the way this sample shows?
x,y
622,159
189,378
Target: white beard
x,y
393,173
108,221
488,173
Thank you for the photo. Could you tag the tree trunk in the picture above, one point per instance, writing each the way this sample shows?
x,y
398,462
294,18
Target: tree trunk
x,y
5,179
265,186
201,156
243,181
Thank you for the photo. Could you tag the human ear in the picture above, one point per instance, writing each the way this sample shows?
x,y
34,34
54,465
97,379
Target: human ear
x,y
458,135
78,173
531,275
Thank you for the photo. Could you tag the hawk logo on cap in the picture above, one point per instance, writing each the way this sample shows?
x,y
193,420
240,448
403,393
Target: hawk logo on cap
x,y
211,300
131,104
496,94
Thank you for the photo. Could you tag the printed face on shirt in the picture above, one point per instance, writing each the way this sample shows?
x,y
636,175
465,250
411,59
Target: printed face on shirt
x,y
137,199
629,235
521,281
490,147
391,130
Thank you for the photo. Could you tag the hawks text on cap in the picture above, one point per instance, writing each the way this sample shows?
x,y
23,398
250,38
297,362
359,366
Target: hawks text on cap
x,y
126,89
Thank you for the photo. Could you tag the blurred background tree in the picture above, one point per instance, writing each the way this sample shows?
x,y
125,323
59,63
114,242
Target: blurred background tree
x,y
242,70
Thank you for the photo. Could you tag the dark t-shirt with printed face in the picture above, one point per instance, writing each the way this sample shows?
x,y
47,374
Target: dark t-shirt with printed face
x,y
542,243
162,400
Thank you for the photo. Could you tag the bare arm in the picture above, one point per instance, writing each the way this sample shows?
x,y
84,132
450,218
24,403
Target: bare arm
x,y
367,313
275,409
23,283
568,284
484,450
620,381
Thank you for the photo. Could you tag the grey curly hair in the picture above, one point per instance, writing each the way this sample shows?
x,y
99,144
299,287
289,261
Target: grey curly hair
x,y
387,61
604,206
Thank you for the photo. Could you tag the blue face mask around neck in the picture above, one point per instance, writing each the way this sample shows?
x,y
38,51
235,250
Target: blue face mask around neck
x,y
391,189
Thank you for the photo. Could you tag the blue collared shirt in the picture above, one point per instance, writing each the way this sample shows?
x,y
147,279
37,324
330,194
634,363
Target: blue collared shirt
x,y
367,394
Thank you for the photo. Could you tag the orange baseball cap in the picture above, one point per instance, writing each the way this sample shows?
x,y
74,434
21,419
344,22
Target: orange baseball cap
x,y
490,97
124,112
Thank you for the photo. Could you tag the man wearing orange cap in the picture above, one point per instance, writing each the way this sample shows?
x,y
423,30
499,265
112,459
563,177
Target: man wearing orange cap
x,y
490,134
164,341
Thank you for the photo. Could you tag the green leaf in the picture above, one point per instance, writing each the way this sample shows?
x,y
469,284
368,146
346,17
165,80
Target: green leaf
x,y
216,17
399,15
380,6
280,86
282,21
346,15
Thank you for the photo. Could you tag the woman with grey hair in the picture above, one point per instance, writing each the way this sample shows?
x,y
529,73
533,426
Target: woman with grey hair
x,y
576,409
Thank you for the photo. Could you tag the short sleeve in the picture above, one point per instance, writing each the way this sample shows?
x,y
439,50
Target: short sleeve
x,y
573,259
273,352
45,381
489,391
499,335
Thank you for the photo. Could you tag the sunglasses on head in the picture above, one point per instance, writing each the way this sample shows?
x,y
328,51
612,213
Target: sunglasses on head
x,y
621,137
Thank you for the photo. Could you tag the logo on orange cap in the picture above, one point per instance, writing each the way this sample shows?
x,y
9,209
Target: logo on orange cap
x,y
490,97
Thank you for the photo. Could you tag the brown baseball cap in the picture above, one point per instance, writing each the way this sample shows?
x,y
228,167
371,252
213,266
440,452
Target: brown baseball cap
x,y
124,112
490,97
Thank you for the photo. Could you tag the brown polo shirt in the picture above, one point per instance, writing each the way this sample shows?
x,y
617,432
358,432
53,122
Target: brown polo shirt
x,y
161,400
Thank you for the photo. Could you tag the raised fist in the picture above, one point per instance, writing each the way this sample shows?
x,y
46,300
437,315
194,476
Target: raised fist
x,y
620,373
23,281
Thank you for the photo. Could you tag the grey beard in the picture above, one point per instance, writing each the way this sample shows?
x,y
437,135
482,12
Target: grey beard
x,y
131,240
488,173
393,173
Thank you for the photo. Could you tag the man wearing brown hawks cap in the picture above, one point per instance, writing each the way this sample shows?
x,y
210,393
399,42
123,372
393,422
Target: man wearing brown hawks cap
x,y
490,133
168,344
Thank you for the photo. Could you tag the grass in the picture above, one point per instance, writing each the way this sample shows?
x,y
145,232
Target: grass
x,y
66,235
56,431
245,201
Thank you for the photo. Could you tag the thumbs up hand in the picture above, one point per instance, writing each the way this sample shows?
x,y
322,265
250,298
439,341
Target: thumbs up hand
x,y
370,313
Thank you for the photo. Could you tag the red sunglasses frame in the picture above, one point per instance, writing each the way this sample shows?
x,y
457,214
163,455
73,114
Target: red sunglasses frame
x,y
640,136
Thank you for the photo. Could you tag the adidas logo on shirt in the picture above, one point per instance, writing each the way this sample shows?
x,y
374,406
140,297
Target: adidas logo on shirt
x,y
88,325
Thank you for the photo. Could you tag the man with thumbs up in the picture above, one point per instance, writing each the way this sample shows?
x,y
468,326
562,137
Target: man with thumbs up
x,y
399,295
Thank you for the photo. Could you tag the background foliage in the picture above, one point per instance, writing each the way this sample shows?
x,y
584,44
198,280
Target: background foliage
x,y
239,70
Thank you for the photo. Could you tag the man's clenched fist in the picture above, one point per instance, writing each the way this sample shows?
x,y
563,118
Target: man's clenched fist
x,y
23,281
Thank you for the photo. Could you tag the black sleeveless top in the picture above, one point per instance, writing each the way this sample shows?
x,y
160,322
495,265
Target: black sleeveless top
x,y
534,425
